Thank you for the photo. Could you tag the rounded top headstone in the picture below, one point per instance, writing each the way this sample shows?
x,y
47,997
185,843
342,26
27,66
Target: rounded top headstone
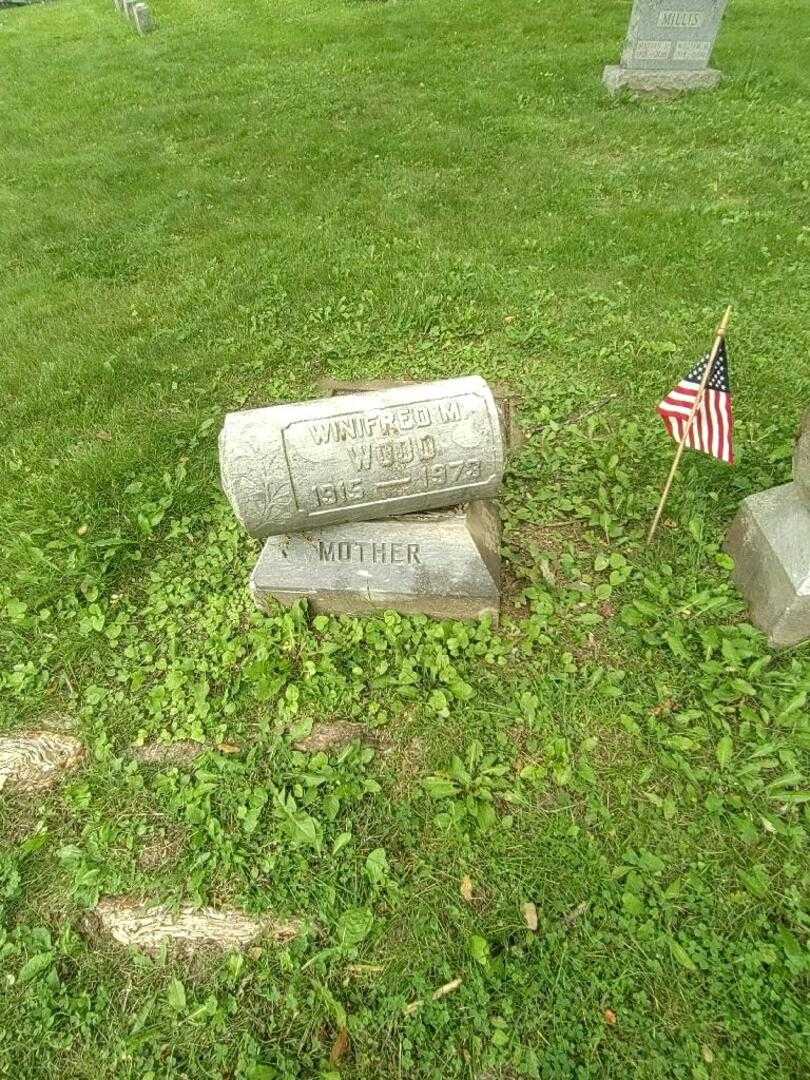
x,y
421,446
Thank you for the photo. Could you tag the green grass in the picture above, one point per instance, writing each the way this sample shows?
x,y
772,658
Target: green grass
x,y
216,215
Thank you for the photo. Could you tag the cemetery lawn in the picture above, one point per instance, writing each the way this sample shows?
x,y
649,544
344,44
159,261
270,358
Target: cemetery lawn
x,y
257,195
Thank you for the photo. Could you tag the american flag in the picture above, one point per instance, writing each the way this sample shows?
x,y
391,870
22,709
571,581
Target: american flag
x,y
712,429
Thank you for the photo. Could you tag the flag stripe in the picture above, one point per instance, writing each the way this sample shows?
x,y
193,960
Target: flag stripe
x,y
712,427
718,426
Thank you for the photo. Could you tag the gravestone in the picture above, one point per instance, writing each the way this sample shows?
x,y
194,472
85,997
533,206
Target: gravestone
x,y
142,18
35,760
770,542
445,564
152,926
505,399
668,47
379,454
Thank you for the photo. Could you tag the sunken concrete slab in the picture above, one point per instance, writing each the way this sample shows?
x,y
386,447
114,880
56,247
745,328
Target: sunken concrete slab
x,y
505,399
339,734
147,927
36,760
668,47
183,752
378,454
769,540
444,564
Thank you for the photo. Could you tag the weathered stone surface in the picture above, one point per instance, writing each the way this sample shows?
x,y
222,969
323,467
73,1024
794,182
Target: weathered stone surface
x,y
770,542
339,734
618,78
668,47
35,760
148,927
363,456
160,753
505,399
445,564
142,18
177,753
801,456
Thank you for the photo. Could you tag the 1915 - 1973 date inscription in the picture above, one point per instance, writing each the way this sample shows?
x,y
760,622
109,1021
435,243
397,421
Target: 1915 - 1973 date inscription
x,y
376,455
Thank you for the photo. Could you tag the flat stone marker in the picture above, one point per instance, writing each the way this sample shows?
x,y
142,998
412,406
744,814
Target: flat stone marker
x,y
668,47
362,456
149,926
444,564
339,734
36,760
770,542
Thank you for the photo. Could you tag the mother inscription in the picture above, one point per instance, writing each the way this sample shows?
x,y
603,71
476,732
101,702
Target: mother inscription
x,y
445,564
668,47
362,456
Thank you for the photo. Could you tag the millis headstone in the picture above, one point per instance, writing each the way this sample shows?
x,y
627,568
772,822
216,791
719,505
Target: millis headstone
x,y
770,542
668,47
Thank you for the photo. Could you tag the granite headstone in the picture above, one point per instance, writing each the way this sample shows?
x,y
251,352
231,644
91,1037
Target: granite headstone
x,y
668,47
770,542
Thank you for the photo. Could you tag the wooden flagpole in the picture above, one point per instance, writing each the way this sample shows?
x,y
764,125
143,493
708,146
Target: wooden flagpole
x,y
721,333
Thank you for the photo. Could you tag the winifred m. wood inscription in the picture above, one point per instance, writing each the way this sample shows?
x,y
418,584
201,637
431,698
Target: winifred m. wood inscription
x,y
362,456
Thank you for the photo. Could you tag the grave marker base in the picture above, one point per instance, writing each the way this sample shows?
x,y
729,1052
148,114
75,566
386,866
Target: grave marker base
x,y
444,564
770,543
617,78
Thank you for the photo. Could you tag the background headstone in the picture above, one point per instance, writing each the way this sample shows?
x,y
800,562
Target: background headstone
x,y
444,564
148,927
668,47
770,542
142,18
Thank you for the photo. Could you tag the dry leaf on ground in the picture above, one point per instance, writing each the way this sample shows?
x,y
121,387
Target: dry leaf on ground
x,y
340,1046
574,914
530,916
